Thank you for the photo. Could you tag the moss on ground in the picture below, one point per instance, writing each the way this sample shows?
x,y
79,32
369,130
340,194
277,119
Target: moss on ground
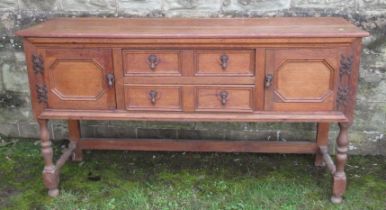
x,y
140,180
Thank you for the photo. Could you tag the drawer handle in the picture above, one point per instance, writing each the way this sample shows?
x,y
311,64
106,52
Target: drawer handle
x,y
153,61
223,97
224,61
268,80
153,96
110,79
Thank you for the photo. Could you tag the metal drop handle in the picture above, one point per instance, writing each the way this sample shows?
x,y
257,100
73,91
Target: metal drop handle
x,y
268,80
153,61
153,96
110,79
223,96
224,61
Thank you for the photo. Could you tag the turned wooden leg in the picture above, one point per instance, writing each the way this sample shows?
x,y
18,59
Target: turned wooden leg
x,y
74,136
339,180
321,140
50,175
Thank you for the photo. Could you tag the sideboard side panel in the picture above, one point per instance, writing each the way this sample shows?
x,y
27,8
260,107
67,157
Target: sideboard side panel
x,y
34,78
350,79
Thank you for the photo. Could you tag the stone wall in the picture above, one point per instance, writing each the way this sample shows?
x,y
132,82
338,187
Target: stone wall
x,y
367,134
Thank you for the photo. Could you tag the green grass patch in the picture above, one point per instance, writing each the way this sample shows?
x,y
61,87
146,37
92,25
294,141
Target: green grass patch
x,y
166,181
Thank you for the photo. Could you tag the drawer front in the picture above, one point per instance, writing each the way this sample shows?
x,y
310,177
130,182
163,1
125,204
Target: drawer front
x,y
224,99
301,79
224,63
79,78
158,98
152,62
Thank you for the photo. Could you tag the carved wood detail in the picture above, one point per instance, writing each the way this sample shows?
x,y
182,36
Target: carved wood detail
x,y
41,91
345,70
342,94
40,87
37,64
345,65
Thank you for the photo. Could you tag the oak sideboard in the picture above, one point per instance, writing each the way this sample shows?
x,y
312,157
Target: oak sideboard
x,y
181,69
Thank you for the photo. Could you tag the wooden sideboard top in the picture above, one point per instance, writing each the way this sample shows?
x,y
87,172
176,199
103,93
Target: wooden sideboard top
x,y
279,27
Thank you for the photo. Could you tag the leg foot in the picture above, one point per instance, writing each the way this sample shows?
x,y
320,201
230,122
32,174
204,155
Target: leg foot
x,y
77,156
319,162
51,180
53,193
336,200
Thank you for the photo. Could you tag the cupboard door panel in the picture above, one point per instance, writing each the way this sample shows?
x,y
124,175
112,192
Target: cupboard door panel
x,y
301,79
79,79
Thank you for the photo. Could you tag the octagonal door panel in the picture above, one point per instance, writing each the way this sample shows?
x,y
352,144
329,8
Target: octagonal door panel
x,y
77,78
302,79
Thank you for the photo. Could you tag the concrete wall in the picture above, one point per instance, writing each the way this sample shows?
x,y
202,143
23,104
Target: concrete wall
x,y
367,134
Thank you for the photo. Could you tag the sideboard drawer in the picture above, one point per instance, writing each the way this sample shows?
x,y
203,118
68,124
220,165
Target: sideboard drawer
x,y
152,62
159,98
224,99
224,62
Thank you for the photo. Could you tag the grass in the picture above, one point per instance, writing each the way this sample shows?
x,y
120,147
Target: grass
x,y
140,180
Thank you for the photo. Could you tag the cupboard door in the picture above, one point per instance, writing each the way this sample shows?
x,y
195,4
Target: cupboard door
x,y
301,79
80,79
